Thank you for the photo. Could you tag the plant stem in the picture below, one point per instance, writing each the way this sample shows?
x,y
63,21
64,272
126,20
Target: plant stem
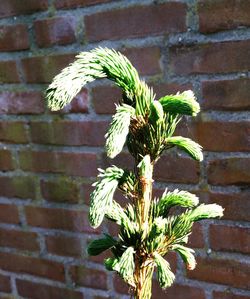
x,y
144,266
144,274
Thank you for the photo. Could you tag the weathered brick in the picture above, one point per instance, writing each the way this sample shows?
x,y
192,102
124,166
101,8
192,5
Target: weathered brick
x,y
18,239
14,132
177,291
220,15
69,132
169,88
228,295
14,37
72,220
226,94
5,285
64,246
61,190
229,171
104,99
64,4
145,60
55,31
71,163
48,67
196,239
31,265
230,238
6,162
78,105
176,169
233,136
21,102
28,289
8,72
15,7
18,186
164,18
236,205
222,271
9,214
87,277
210,58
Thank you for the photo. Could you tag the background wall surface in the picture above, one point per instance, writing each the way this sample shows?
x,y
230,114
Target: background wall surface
x,y
49,160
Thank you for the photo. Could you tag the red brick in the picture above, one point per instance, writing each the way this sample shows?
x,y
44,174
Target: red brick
x,y
169,88
228,295
6,162
61,190
164,18
28,289
15,7
176,169
18,239
230,238
14,38
71,163
145,60
236,205
64,4
23,187
79,104
8,72
233,136
48,67
87,277
229,171
33,266
177,291
222,271
196,239
71,220
120,286
64,246
210,58
5,285
55,31
87,188
220,15
14,132
226,94
123,160
9,214
26,102
69,132
104,99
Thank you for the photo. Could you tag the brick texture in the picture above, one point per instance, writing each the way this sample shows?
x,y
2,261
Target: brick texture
x,y
15,7
222,271
27,102
49,159
8,72
33,266
71,220
55,31
229,171
230,238
223,15
210,58
32,290
14,38
78,164
226,94
164,18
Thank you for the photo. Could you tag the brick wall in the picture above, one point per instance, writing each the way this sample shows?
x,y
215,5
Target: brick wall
x,y
48,160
